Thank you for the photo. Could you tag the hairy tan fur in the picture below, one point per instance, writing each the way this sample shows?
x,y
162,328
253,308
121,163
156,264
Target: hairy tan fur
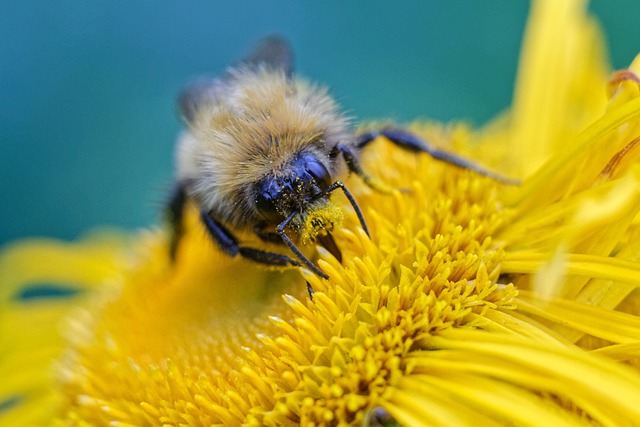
x,y
252,126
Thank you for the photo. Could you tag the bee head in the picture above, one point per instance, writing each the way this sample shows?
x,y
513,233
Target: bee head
x,y
302,180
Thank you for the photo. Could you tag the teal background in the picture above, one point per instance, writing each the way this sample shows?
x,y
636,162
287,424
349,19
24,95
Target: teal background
x,y
87,88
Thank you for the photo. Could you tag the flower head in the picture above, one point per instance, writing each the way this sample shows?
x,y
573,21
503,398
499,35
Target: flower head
x,y
473,302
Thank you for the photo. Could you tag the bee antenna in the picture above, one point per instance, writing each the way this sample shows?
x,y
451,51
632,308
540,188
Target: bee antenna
x,y
352,200
292,246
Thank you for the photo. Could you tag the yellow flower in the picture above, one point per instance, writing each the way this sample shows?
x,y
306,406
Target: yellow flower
x,y
474,303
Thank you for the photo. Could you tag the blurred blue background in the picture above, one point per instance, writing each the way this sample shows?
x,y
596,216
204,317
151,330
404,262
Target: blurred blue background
x,y
87,88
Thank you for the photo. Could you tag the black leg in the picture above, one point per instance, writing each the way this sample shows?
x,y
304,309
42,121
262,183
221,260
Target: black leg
x,y
267,236
229,245
351,159
352,200
325,240
331,243
310,291
410,142
292,246
174,214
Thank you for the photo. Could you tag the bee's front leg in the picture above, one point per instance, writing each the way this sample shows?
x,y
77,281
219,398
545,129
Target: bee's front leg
x,y
353,163
229,245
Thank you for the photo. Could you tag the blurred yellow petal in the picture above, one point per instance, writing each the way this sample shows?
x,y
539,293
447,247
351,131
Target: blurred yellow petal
x,y
42,281
561,62
593,320
577,264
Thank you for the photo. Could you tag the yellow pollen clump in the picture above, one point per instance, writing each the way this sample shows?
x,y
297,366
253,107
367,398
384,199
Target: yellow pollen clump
x,y
320,221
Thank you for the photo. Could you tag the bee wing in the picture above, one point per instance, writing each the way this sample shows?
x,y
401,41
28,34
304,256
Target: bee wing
x,y
202,91
272,52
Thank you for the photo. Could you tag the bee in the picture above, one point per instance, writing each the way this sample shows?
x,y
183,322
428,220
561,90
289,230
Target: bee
x,y
263,148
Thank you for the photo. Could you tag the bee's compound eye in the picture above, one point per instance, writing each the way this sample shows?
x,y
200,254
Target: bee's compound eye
x,y
319,173
267,198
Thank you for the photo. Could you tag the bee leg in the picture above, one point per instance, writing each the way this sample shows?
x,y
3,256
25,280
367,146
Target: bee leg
x,y
229,245
326,240
267,236
352,201
351,159
174,214
411,142
310,291
292,246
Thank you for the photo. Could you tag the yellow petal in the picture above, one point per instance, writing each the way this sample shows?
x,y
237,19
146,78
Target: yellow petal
x,y
561,62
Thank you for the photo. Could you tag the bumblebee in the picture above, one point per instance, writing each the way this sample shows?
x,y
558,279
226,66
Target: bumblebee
x,y
263,148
